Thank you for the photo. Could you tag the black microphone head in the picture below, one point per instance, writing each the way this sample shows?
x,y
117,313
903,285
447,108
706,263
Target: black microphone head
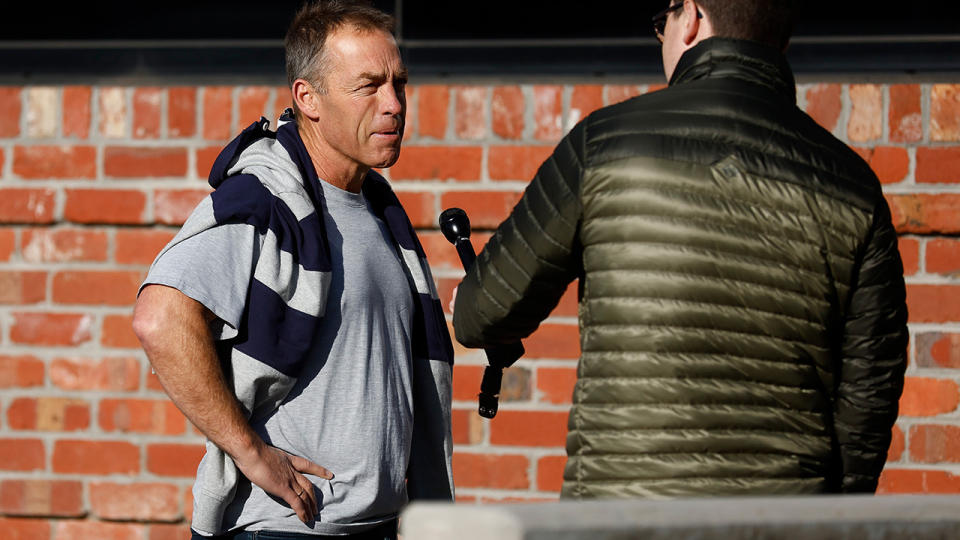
x,y
454,224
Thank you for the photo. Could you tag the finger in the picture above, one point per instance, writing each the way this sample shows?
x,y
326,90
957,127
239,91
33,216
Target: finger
x,y
308,495
309,467
295,499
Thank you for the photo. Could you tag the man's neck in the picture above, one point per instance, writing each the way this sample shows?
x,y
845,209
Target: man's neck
x,y
331,166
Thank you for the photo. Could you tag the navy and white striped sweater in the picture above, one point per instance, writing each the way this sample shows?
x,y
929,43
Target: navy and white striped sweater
x,y
266,180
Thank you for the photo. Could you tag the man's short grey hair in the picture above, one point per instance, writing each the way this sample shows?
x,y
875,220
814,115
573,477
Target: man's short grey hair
x,y
314,22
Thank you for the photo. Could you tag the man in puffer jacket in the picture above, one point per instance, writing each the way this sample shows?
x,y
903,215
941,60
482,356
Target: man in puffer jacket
x,y
742,306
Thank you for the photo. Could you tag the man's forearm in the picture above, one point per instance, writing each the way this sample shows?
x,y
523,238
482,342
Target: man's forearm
x,y
174,331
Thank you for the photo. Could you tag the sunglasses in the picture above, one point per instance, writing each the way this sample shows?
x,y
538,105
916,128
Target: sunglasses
x,y
660,19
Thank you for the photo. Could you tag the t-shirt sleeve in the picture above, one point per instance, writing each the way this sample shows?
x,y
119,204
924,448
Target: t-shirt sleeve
x,y
213,267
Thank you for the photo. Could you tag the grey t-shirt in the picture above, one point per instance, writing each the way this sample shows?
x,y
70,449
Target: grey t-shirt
x,y
351,410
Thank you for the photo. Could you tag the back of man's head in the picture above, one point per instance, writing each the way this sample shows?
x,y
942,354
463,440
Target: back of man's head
x,y
315,21
765,21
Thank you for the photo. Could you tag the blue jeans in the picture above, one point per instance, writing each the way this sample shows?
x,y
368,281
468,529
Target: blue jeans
x,y
387,531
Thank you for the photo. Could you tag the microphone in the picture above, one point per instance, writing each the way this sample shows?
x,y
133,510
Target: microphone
x,y
455,227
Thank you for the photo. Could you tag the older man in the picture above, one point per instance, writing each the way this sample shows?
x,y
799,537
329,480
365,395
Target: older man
x,y
322,381
742,314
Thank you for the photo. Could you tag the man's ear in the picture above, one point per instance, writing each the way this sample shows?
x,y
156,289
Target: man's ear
x,y
691,20
306,98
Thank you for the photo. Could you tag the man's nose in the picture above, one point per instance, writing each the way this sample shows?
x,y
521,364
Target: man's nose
x,y
391,99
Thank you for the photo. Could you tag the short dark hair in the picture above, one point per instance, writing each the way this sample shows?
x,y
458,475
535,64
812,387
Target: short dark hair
x,y
765,21
314,22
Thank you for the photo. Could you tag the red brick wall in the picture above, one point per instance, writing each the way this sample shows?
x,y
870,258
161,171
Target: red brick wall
x,y
94,180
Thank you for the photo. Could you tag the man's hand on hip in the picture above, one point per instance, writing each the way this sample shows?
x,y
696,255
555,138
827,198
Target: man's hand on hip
x,y
280,474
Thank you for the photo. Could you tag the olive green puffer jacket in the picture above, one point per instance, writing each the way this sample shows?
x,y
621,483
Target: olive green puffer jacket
x,y
742,307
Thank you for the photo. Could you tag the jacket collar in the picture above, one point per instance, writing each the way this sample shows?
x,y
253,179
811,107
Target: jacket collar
x,y
725,57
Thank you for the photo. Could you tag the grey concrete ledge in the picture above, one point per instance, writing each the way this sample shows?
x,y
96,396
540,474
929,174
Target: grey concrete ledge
x,y
858,517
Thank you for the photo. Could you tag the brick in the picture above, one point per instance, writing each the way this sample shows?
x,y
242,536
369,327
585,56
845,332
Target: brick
x,y
77,111
126,206
8,242
433,102
160,417
174,459
621,92
905,116
548,113
96,287
940,164
897,444
556,384
918,481
507,110
95,457
140,502
10,108
117,374
144,162
553,341
252,104
48,414
933,303
569,305
217,109
50,329
910,254
139,246
550,473
410,114
22,455
168,531
64,245
938,349
113,112
205,157
43,109
891,164
935,443
467,426
48,498
866,113
44,162
529,428
490,471
945,112
19,205
20,288
147,112
516,162
470,116
516,385
943,256
923,396
438,163
98,530
486,209
922,213
174,206
466,382
118,332
420,207
22,371
24,529
181,112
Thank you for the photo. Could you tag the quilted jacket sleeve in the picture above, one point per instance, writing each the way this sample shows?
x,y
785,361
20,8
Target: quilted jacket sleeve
x,y
873,359
526,266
